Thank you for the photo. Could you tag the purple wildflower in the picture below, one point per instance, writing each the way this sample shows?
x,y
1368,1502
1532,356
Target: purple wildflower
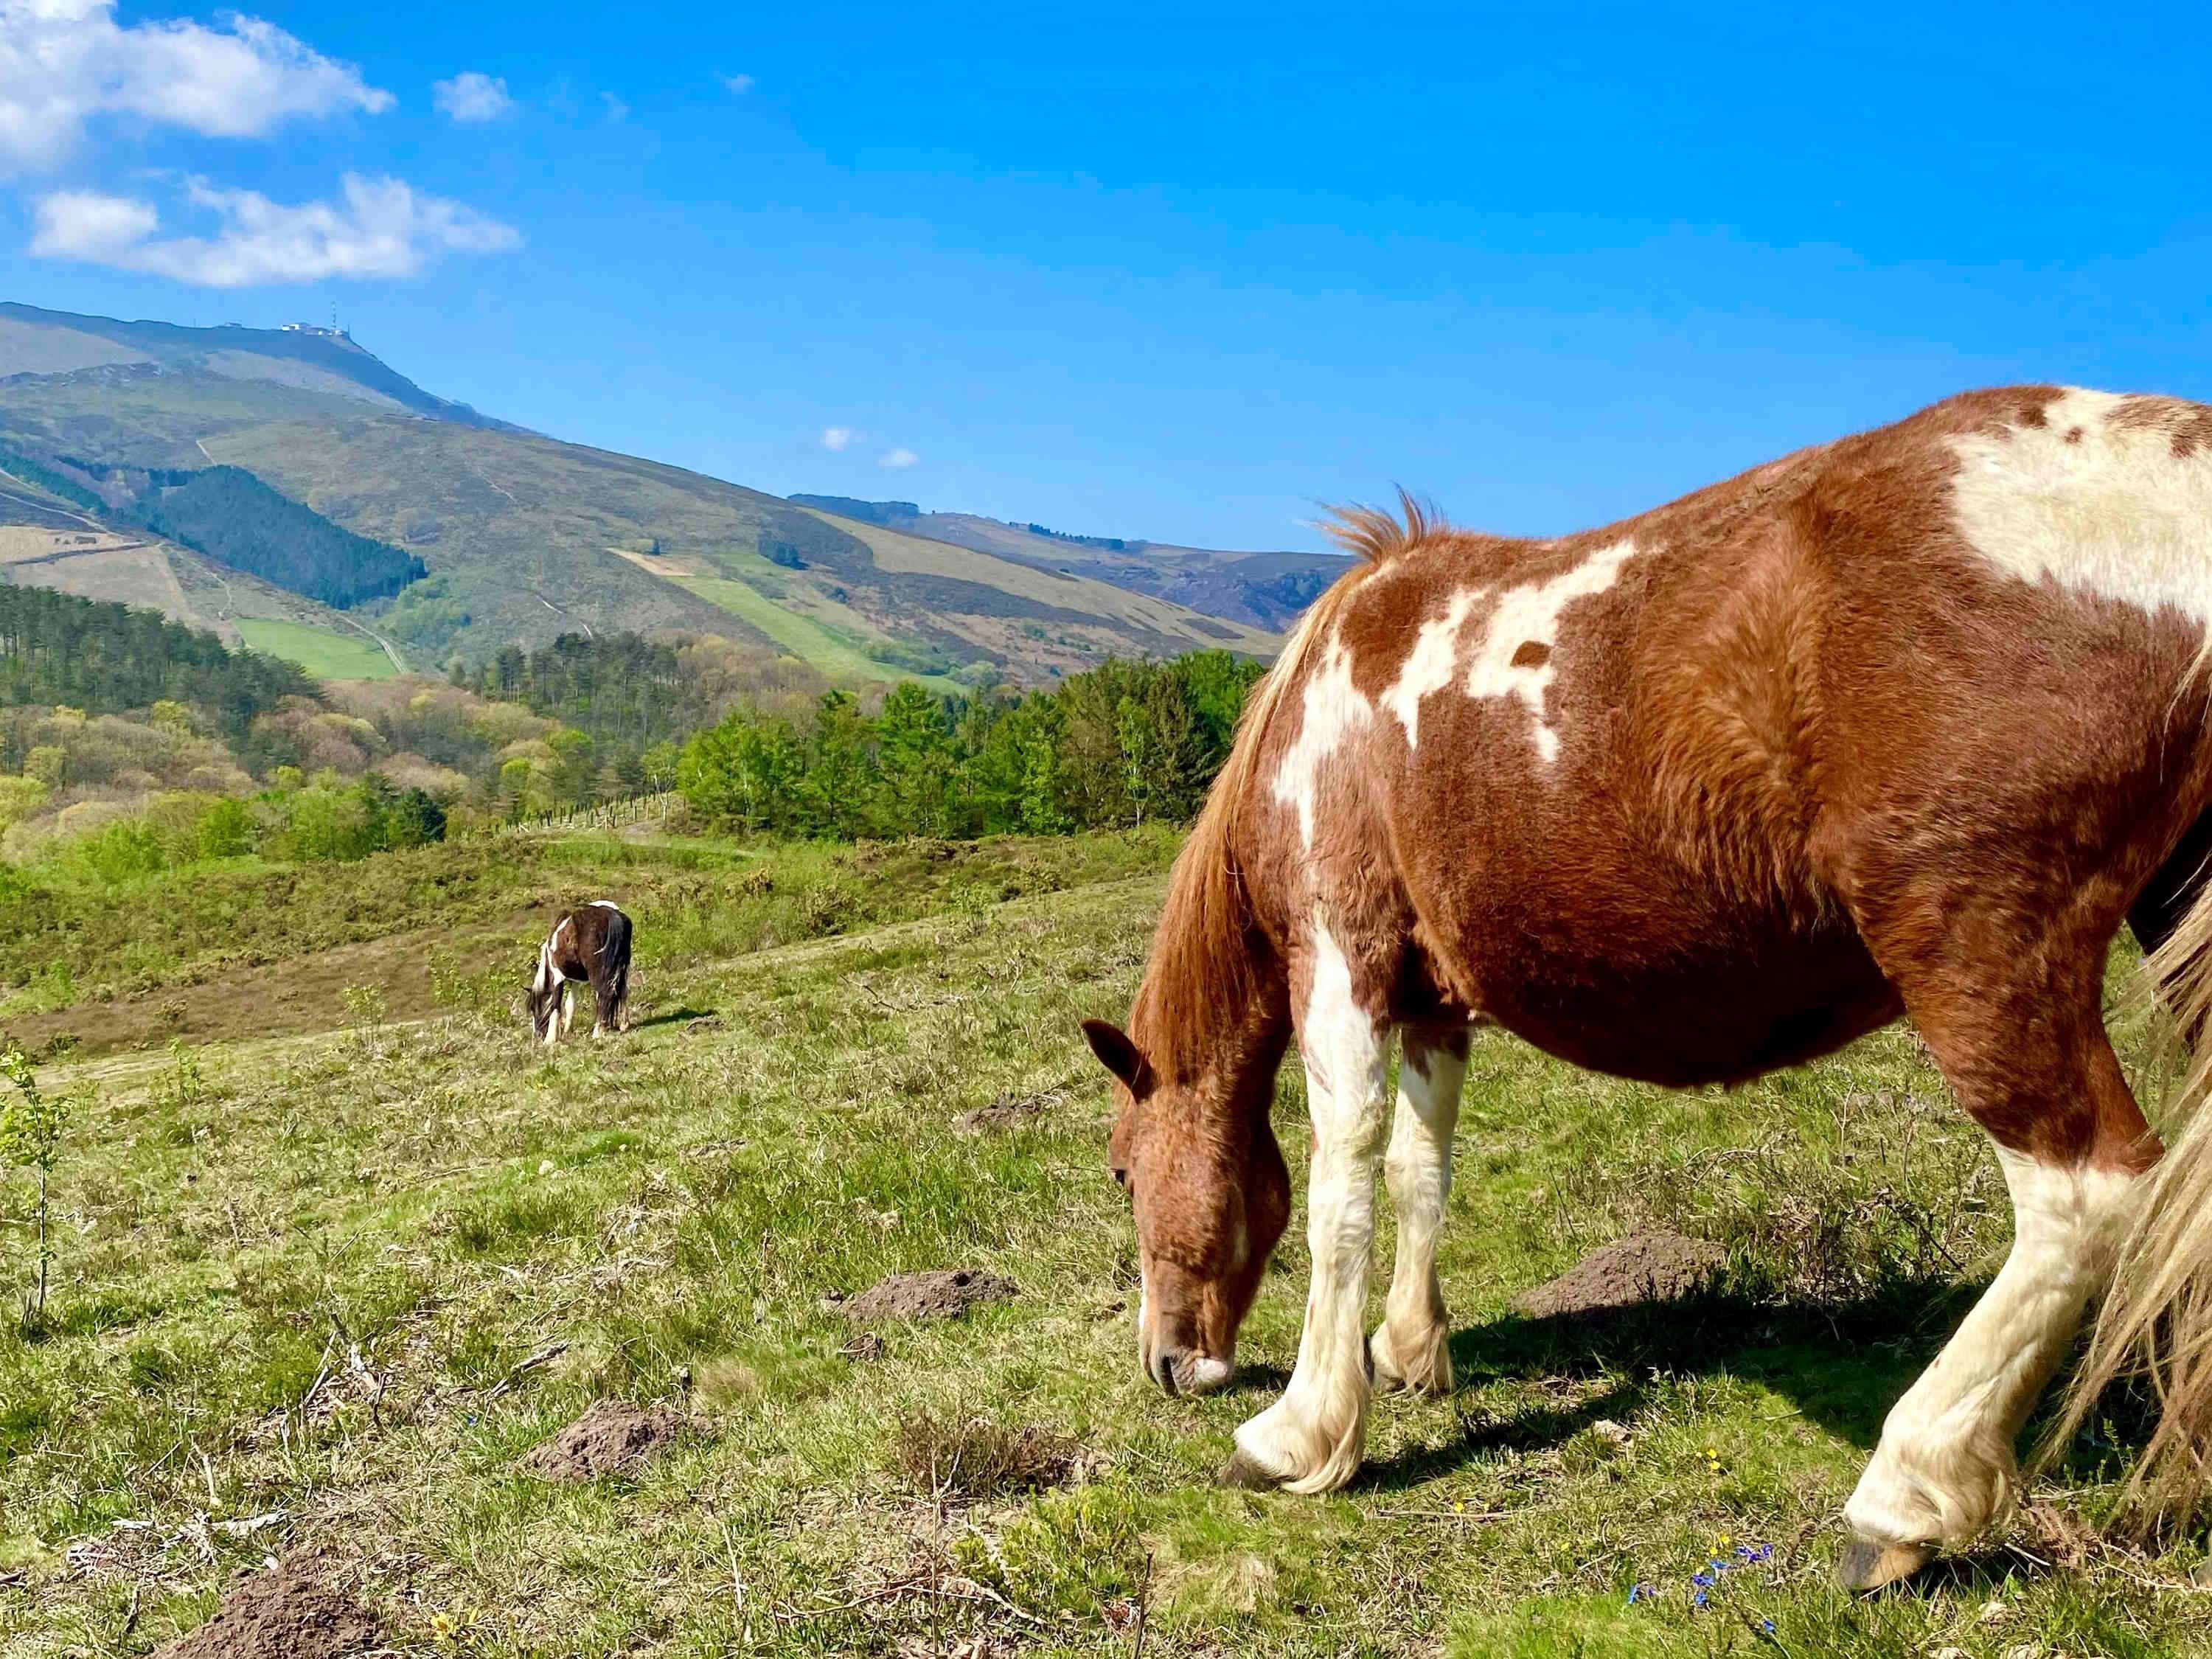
x,y
1641,1592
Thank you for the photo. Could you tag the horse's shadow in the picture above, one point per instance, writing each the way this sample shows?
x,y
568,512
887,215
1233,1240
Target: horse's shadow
x,y
684,1016
1840,1366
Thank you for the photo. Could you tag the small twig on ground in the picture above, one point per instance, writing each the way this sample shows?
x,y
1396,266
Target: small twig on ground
x,y
1453,1514
1143,1599
545,1356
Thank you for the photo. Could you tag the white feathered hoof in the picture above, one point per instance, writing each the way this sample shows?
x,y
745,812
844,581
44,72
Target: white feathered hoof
x,y
1424,1367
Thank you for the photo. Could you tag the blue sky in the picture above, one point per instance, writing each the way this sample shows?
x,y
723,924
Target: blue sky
x,y
1180,273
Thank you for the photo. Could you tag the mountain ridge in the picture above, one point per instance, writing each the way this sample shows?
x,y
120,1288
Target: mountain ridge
x,y
523,535
1263,588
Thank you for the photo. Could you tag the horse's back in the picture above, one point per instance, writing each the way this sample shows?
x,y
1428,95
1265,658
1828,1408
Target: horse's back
x,y
1642,779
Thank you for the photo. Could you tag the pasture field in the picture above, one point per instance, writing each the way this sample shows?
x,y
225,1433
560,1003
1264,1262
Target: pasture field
x,y
815,642
322,652
318,1293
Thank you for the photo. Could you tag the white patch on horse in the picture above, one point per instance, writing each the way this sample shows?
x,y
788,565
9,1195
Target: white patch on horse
x,y
1432,663
606,904
1310,1438
1333,709
2113,513
1945,1467
1530,614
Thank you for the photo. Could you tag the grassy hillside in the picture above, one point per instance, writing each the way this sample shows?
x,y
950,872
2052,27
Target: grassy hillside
x,y
530,538
325,653
504,1235
534,536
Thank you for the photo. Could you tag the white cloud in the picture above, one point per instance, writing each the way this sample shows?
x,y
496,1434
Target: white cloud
x,y
473,96
897,458
379,227
65,61
617,110
739,84
837,437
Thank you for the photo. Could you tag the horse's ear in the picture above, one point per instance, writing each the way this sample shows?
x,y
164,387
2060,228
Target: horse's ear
x,y
1119,1055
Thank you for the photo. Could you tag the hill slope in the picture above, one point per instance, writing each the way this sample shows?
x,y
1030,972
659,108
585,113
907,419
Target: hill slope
x,y
1264,590
526,537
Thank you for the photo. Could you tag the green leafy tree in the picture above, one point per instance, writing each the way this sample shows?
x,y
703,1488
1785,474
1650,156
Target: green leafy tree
x,y
31,1126
840,769
913,753
743,774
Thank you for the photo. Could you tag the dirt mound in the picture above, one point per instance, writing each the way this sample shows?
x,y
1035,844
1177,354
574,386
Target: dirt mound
x,y
613,1438
1643,1268
939,1293
286,1613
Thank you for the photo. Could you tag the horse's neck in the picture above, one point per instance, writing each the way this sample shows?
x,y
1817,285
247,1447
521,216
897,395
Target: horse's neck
x,y
1234,1047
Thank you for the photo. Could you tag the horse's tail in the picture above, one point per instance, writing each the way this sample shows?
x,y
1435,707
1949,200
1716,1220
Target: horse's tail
x,y
615,962
2156,1320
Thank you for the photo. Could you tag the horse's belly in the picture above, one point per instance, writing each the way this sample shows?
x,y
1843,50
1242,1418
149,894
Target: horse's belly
x,y
1682,1017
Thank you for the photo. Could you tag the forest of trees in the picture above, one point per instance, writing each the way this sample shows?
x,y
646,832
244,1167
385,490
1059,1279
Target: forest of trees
x,y
1125,743
619,688
131,744
234,518
60,648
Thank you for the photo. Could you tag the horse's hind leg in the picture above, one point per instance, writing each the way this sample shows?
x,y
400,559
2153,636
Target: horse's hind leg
x,y
1411,1348
2020,1036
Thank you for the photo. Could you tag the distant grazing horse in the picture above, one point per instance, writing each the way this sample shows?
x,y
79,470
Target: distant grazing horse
x,y
589,944
1905,724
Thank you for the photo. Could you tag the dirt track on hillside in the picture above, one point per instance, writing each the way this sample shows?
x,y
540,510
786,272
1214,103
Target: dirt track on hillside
x,y
281,998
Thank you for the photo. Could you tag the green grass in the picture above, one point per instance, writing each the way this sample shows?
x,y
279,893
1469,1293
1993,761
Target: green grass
x,y
322,652
813,643
668,1213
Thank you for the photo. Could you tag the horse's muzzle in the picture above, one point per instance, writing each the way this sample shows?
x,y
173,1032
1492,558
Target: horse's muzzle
x,y
1179,1373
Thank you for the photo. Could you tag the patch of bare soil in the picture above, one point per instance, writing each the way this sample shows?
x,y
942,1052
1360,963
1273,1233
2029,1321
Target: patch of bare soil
x,y
287,1612
1643,1268
939,1293
613,1438
279,998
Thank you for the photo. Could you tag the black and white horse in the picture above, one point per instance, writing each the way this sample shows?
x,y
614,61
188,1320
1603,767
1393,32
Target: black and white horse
x,y
588,945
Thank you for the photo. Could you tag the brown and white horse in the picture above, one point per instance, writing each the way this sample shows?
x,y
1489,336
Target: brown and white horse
x,y
1907,724
589,945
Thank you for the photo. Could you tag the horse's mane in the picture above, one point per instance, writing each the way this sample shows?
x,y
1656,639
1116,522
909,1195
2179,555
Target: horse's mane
x,y
1203,970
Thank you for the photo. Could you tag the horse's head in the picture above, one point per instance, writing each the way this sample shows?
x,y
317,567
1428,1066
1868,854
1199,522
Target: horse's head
x,y
1206,1182
540,1002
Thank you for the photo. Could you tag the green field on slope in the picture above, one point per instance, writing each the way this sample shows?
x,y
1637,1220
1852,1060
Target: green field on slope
x,y
317,1295
322,652
814,643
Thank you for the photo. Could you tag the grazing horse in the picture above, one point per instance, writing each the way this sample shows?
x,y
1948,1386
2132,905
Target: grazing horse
x,y
1906,724
589,944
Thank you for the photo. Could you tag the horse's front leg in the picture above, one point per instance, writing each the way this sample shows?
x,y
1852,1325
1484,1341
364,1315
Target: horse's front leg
x,y
1411,1346
1310,1441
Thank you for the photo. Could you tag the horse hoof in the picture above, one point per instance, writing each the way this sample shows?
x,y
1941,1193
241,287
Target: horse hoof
x,y
1247,1475
1864,1566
